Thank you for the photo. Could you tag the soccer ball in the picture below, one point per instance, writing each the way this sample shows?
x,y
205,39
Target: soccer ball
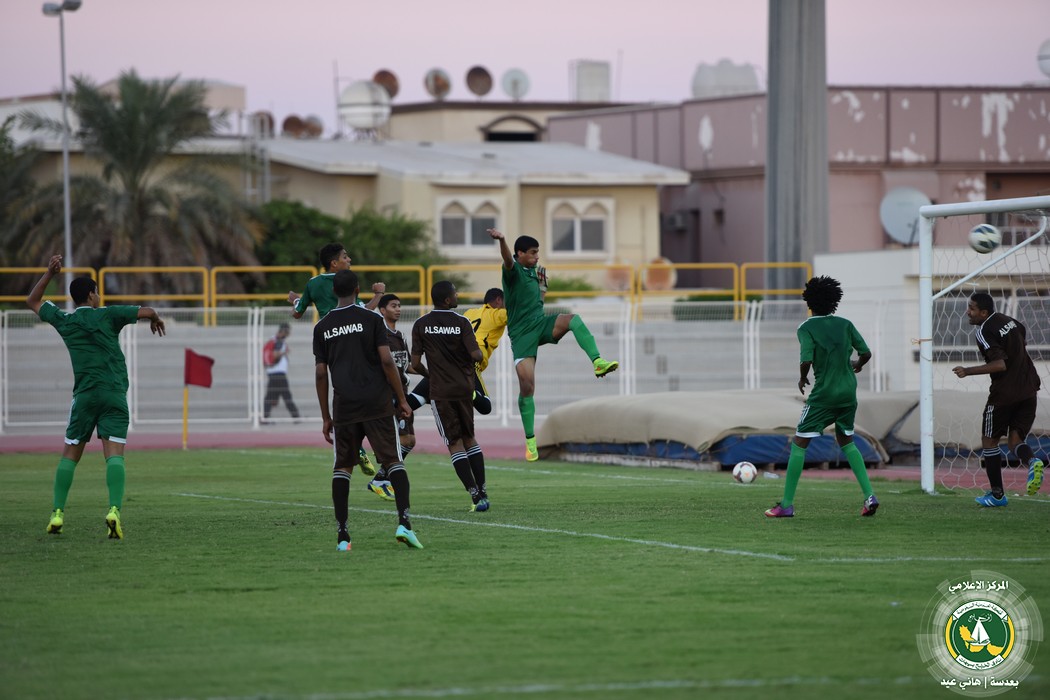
x,y
984,238
745,472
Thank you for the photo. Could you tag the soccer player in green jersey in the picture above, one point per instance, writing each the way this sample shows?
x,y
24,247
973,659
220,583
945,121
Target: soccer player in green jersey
x,y
333,258
529,327
827,343
100,385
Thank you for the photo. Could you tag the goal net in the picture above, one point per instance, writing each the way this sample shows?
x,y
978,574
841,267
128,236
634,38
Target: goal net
x,y
1017,275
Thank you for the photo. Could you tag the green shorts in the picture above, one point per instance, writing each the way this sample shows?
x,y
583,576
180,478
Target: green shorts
x,y
814,419
106,410
524,342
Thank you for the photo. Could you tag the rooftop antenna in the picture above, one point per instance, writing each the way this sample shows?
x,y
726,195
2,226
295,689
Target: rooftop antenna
x,y
388,81
437,83
479,81
899,214
515,83
314,127
293,126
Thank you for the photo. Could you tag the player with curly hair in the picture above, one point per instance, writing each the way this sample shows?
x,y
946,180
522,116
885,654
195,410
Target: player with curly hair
x,y
827,344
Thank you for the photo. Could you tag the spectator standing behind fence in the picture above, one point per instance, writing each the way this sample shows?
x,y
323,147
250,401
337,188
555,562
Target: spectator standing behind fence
x,y
1010,409
275,358
100,385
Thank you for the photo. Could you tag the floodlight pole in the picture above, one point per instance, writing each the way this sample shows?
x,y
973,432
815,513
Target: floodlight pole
x,y
51,10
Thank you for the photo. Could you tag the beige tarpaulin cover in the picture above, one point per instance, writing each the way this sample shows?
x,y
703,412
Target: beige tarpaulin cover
x,y
699,419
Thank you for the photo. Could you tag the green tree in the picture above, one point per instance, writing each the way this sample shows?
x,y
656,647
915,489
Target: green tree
x,y
296,232
17,185
146,207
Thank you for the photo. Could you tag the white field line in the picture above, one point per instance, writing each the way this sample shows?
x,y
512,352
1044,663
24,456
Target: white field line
x,y
569,689
631,540
521,528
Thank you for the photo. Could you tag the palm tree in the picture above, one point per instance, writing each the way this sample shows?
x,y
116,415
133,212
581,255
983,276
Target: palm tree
x,y
148,206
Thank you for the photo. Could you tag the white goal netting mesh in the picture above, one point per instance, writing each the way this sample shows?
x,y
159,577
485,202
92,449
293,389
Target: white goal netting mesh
x,y
1017,275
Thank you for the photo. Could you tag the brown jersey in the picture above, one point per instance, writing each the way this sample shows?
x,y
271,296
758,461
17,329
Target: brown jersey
x,y
347,340
447,341
1003,338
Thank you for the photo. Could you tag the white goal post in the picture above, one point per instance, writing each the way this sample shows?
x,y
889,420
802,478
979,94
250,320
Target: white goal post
x,y
968,271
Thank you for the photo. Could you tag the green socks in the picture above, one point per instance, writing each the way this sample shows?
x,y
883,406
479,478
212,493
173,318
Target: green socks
x,y
63,480
527,409
584,338
115,480
796,461
856,463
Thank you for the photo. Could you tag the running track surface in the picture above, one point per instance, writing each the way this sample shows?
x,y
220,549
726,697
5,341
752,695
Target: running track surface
x,y
497,443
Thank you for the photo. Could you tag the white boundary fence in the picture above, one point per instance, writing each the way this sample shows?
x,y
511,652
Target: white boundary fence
x,y
662,346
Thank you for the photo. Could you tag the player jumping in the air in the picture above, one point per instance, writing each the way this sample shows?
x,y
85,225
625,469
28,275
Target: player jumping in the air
x,y
529,327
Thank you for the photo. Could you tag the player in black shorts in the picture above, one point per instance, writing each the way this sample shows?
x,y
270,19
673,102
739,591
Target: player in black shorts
x,y
447,341
351,345
1010,409
390,309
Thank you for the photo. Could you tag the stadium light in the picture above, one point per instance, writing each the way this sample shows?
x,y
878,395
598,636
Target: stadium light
x,y
59,10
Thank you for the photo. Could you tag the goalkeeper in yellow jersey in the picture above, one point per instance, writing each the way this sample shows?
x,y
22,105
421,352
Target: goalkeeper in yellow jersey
x,y
489,322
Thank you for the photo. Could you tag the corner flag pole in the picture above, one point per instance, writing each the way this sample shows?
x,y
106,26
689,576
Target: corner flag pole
x,y
197,371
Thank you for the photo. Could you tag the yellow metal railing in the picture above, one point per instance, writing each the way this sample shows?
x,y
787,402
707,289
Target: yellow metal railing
x,y
647,287
419,295
77,271
201,296
217,296
763,266
633,283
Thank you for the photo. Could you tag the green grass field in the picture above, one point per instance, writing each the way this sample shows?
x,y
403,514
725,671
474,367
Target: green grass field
x,y
583,581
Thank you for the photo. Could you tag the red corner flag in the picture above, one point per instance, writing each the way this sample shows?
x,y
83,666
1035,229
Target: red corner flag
x,y
198,369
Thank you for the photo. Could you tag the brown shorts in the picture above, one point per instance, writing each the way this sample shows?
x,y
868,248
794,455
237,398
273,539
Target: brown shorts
x,y
998,421
455,419
382,437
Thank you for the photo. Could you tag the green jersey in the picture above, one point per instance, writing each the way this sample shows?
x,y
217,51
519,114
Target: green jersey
x,y
91,336
320,293
828,342
521,290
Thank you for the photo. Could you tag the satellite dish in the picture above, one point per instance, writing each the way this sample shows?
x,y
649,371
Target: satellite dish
x,y
388,81
314,126
437,83
515,83
364,105
1044,58
293,126
479,81
899,214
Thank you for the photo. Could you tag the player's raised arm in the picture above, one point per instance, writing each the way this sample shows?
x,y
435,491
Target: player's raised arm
x,y
504,249
36,295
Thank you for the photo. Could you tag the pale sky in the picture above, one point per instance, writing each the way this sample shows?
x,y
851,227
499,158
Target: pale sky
x,y
284,51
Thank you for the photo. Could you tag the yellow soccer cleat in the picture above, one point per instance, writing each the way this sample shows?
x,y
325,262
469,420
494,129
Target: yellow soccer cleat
x,y
532,453
365,465
113,523
54,526
603,367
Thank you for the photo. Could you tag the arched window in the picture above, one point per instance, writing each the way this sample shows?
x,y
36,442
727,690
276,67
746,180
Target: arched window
x,y
580,226
464,222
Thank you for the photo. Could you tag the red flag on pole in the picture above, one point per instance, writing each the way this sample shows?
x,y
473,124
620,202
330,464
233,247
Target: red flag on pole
x,y
198,369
